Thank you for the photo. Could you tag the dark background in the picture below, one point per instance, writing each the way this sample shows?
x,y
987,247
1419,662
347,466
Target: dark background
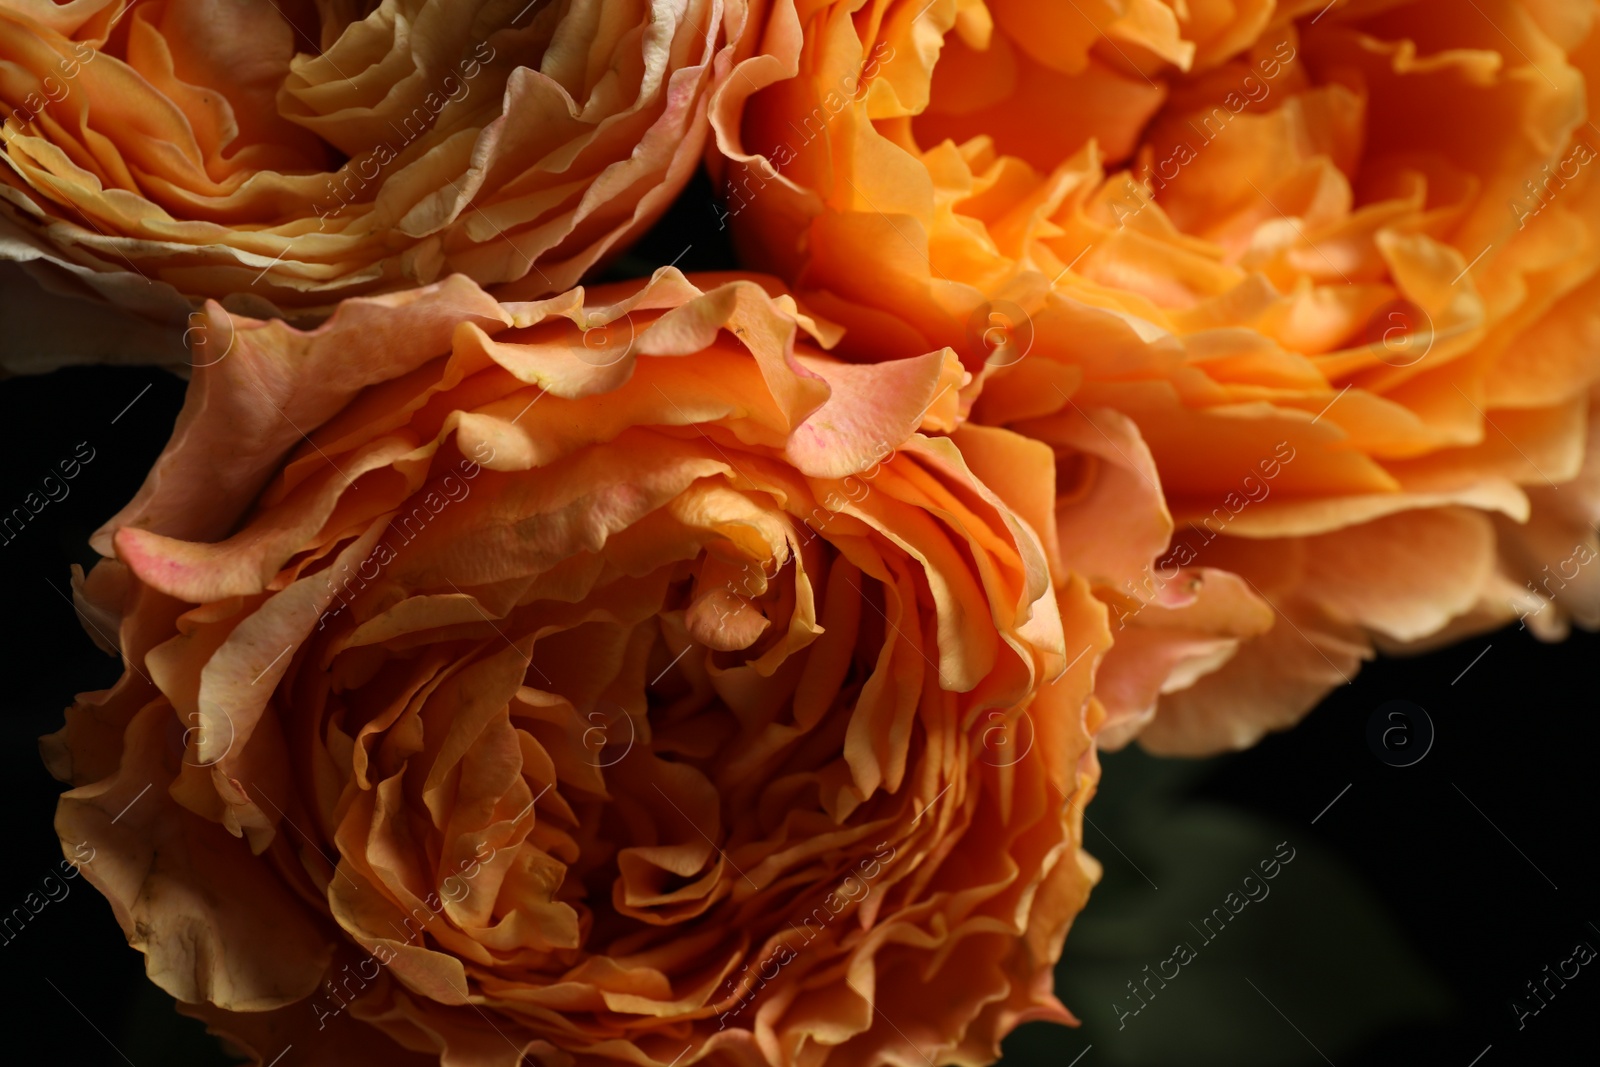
x,y
1400,933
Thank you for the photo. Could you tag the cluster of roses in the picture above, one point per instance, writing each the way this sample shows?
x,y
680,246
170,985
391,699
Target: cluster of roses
x,y
802,532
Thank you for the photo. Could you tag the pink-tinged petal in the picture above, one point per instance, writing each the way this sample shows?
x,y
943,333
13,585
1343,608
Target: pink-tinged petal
x,y
1111,520
1404,576
264,386
1193,624
867,410
1268,684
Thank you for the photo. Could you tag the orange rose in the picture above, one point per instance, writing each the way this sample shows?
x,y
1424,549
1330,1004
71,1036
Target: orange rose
x,y
612,678
286,157
1335,262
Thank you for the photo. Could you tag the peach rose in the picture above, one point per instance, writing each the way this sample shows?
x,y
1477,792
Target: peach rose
x,y
610,678
284,157
1334,263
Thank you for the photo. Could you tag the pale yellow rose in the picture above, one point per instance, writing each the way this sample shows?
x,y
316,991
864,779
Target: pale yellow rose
x,y
281,157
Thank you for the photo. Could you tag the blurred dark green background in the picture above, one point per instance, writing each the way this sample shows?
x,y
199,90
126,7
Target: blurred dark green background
x,y
1400,933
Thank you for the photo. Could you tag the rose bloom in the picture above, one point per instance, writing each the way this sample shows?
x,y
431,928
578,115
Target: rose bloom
x,y
1335,263
286,156
611,678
